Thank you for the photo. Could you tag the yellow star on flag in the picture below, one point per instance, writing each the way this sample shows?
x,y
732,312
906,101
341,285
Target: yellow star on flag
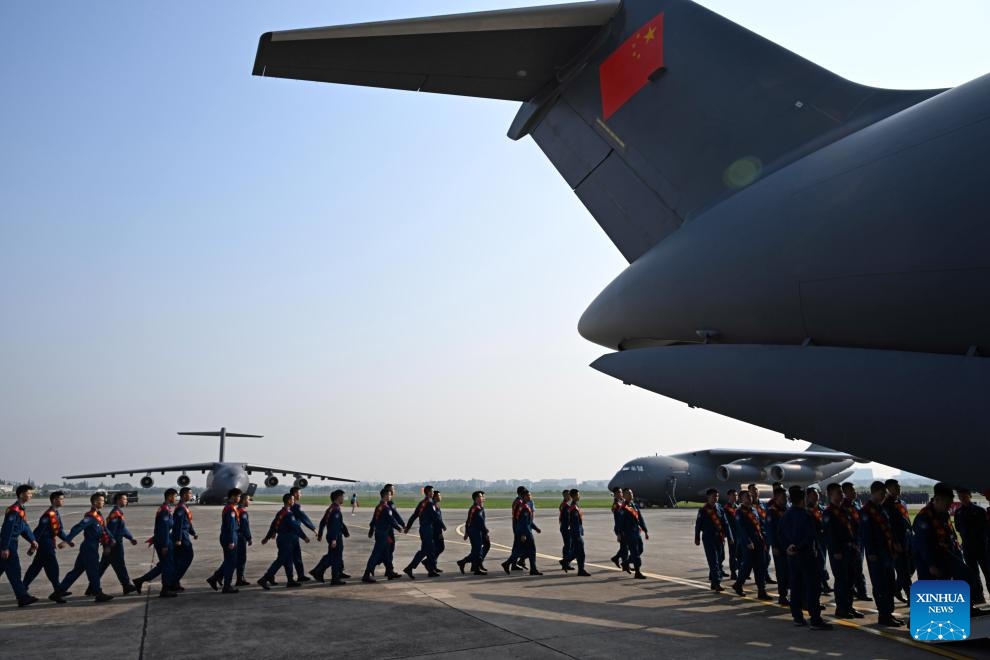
x,y
651,34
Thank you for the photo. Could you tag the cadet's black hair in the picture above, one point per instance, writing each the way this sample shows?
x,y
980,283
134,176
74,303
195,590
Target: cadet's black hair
x,y
796,493
335,494
184,490
573,491
832,487
294,491
891,482
942,490
811,489
92,498
565,493
476,493
54,495
877,486
848,484
117,496
244,498
779,490
520,490
711,491
171,491
730,491
383,491
751,487
287,498
234,492
23,488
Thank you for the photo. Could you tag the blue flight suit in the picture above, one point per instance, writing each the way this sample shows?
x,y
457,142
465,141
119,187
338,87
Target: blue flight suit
x,y
182,533
438,543
286,531
14,525
93,527
877,538
761,511
391,531
575,531
384,522
797,530
631,524
711,529
114,556
48,532
780,564
476,531
730,517
429,520
523,545
853,508
752,560
230,534
842,540
971,521
333,524
162,540
243,539
936,546
563,520
900,524
821,551
622,556
297,551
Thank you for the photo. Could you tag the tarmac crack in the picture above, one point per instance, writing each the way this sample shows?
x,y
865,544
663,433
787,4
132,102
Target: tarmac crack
x,y
144,625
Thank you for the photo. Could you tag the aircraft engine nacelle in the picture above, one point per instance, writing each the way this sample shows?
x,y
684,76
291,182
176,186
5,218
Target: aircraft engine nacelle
x,y
795,473
301,482
271,481
183,480
147,481
737,473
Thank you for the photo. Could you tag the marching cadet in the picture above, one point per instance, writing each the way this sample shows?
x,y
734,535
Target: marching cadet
x,y
775,513
563,520
843,551
50,534
761,511
114,556
391,531
333,523
475,530
526,526
383,525
752,547
878,544
183,534
730,508
518,564
438,530
243,537
14,526
971,521
851,503
162,540
797,531
230,524
812,499
575,528
618,502
632,524
286,531
712,525
94,530
900,523
304,520
429,520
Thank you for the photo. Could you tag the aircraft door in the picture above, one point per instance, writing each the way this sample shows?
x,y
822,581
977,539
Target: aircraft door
x,y
670,492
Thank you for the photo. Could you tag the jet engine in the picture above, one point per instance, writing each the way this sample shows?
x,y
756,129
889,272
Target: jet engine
x,y
795,473
147,481
271,481
301,482
183,480
739,473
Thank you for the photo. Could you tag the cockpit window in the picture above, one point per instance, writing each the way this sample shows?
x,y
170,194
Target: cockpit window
x,y
632,468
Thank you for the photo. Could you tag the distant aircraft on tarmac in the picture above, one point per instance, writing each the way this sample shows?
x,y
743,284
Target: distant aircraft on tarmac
x,y
806,254
666,480
221,475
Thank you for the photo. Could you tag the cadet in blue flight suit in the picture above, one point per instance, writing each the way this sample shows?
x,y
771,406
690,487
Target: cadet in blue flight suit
x,y
812,502
971,521
877,538
622,556
575,528
183,534
751,544
850,501
438,530
842,541
761,510
162,540
797,531
333,523
50,535
243,538
630,501
426,511
14,526
114,556
304,520
391,531
900,523
632,525
93,527
383,525
775,513
517,551
476,530
712,526
730,507
563,520
286,531
230,525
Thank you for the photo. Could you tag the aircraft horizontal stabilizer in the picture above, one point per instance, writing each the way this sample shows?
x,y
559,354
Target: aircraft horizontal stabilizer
x,y
216,434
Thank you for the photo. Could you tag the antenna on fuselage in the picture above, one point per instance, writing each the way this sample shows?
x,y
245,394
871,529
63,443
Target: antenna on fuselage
x,y
223,435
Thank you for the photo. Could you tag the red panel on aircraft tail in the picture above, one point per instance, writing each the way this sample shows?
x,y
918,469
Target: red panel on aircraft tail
x,y
628,69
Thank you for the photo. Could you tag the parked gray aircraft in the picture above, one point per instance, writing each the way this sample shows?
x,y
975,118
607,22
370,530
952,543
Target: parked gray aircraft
x,y
806,254
221,475
666,480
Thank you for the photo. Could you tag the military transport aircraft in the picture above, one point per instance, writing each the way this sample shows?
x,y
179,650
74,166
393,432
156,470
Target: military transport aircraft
x,y
221,475
806,254
666,480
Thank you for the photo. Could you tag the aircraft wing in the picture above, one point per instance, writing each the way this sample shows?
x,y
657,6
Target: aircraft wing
x,y
190,467
772,456
301,473
508,54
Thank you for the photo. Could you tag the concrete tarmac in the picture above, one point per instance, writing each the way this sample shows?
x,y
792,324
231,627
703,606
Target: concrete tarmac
x,y
556,615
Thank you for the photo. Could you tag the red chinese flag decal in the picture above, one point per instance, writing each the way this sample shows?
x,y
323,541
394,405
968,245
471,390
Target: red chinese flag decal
x,y
629,68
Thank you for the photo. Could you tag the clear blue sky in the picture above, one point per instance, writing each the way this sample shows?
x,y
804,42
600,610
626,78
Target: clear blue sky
x,y
380,282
